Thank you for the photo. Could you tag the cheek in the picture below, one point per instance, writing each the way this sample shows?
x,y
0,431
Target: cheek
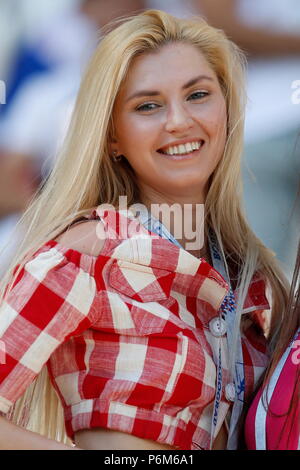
x,y
135,133
216,125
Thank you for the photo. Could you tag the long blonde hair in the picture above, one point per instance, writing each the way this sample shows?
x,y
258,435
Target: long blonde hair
x,y
85,176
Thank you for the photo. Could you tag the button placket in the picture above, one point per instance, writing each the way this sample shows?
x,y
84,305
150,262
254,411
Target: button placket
x,y
230,391
217,327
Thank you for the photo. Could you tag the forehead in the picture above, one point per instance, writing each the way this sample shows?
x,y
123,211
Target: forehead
x,y
173,64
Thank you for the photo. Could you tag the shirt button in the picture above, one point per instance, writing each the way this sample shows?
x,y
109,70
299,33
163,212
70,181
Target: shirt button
x,y
217,327
230,392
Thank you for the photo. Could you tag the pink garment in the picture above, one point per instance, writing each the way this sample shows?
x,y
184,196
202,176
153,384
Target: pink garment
x,y
282,432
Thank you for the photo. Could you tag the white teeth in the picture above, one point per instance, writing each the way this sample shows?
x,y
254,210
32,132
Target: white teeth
x,y
183,148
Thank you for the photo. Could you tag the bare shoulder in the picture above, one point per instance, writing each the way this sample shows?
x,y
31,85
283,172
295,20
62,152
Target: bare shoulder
x,y
86,237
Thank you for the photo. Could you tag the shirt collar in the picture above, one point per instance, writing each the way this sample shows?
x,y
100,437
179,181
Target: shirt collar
x,y
142,247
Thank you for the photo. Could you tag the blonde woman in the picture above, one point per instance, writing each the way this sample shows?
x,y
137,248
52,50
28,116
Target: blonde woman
x,y
138,340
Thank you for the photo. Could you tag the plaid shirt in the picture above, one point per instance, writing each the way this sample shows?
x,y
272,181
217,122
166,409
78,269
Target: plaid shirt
x,y
126,336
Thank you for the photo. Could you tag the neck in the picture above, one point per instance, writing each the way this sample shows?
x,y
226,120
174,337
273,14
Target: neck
x,y
183,218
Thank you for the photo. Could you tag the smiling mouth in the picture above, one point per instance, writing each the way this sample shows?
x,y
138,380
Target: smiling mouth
x,y
182,151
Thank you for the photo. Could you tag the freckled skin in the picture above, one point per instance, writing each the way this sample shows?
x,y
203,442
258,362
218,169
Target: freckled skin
x,y
172,115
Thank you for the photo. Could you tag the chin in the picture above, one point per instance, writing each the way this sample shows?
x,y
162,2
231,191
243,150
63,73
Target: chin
x,y
188,186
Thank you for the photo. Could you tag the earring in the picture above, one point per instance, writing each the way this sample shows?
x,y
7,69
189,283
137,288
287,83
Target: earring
x,y
116,158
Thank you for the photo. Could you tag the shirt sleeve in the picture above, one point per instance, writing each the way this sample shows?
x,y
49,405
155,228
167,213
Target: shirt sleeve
x,y
51,300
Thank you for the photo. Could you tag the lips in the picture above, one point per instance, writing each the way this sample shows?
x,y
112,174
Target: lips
x,y
182,157
183,147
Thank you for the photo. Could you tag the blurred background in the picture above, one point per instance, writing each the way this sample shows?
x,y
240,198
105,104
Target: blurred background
x,y
45,46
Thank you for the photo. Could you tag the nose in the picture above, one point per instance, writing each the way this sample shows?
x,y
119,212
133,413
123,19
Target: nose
x,y
178,120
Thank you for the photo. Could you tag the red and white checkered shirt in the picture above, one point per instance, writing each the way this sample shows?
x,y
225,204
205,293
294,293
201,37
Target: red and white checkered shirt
x,y
126,335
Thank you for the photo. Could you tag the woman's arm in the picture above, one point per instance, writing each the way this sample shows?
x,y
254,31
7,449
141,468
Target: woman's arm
x,y
85,237
14,437
88,238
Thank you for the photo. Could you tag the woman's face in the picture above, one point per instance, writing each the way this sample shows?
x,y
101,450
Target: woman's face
x,y
170,121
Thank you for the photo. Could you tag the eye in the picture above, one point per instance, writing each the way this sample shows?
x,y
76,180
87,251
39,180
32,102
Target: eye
x,y
198,95
147,107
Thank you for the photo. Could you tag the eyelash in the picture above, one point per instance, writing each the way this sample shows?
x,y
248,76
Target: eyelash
x,y
143,106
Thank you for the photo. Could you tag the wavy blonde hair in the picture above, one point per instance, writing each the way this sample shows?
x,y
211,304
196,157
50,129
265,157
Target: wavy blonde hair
x,y
85,176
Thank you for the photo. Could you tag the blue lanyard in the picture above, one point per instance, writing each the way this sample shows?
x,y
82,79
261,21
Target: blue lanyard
x,y
227,313
154,225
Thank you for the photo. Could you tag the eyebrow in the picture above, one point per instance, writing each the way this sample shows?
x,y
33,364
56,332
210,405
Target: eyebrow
x,y
190,83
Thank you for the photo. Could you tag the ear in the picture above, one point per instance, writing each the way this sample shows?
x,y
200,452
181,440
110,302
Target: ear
x,y
113,147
